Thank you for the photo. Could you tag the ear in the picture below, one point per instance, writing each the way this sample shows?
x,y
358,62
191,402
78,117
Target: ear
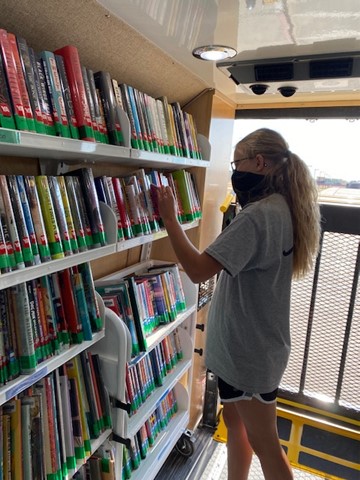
x,y
260,162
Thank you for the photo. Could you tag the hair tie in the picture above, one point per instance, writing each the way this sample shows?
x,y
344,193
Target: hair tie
x,y
287,154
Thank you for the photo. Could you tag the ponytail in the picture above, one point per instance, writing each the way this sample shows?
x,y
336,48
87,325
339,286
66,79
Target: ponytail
x,y
291,178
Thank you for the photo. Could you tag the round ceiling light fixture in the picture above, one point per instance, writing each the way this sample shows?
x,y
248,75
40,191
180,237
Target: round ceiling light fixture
x,y
214,52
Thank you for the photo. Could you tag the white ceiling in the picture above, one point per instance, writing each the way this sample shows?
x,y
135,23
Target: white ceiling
x,y
257,29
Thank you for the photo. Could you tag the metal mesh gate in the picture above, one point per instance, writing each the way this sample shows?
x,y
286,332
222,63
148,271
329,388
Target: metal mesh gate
x,y
323,369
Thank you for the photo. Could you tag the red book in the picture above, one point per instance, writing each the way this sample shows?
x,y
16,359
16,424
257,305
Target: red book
x,y
121,204
22,85
13,81
71,58
69,305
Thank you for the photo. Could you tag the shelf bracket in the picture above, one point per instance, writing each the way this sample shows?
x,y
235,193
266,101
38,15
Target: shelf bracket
x,y
124,441
119,404
49,166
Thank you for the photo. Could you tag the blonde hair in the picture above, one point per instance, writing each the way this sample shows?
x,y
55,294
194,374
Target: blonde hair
x,y
290,176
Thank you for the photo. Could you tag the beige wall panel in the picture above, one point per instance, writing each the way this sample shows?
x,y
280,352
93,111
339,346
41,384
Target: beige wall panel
x,y
104,42
19,166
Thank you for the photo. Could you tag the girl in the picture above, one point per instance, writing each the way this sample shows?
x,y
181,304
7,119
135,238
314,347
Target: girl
x,y
273,239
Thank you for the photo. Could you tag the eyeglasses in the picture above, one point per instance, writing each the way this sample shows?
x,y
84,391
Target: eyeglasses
x,y
235,162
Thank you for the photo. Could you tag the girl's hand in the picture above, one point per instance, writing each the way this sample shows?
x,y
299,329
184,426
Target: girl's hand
x,y
166,203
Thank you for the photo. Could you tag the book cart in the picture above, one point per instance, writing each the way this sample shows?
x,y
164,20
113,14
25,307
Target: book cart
x,y
55,155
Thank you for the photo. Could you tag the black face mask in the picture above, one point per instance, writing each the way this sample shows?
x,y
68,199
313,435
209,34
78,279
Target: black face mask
x,y
248,186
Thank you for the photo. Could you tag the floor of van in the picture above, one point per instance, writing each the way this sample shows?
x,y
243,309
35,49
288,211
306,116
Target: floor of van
x,y
208,462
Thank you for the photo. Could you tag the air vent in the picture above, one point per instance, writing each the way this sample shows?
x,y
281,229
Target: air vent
x,y
333,68
274,72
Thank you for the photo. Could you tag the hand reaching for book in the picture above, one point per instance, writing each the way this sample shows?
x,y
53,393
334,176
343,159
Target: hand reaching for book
x,y
166,204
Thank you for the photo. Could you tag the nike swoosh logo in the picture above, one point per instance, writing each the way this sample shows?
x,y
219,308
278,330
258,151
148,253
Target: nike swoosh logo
x,y
286,253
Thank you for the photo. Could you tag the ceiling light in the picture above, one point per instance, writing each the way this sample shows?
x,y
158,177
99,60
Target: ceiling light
x,y
214,52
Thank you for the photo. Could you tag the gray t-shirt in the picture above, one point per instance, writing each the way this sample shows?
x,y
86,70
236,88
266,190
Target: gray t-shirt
x,y
248,334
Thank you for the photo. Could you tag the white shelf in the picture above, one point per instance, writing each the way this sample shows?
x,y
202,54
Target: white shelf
x,y
58,149
163,331
164,443
95,444
36,271
144,412
14,387
152,237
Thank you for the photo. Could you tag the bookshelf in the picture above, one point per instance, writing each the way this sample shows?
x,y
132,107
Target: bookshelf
x,y
34,153
114,353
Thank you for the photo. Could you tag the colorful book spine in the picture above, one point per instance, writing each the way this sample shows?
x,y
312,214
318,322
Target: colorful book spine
x,y
37,218
91,298
88,189
81,303
80,232
121,204
43,93
98,118
6,111
29,76
13,81
77,89
22,85
54,87
60,214
69,108
69,304
28,218
90,100
136,137
8,213
21,223
48,213
104,85
68,215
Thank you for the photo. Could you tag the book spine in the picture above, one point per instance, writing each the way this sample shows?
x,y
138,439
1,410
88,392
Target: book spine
x,y
104,85
28,218
98,118
37,218
29,76
60,215
69,108
61,321
136,142
45,96
20,221
50,315
34,322
91,298
13,81
6,111
139,132
68,429
22,85
48,213
7,209
90,103
69,303
108,193
54,87
121,204
4,257
76,214
81,304
77,89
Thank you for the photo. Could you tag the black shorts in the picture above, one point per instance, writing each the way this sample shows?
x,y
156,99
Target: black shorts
x,y
231,394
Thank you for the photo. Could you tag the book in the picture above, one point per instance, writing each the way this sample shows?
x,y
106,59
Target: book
x,y
136,136
97,107
90,100
4,257
44,94
60,427
50,315
8,215
88,190
76,213
22,85
61,321
12,81
26,436
29,76
135,96
144,143
57,200
77,89
49,216
69,305
28,218
68,214
24,328
12,408
6,110
104,85
65,89
21,223
67,418
91,299
55,94
106,194
36,332
36,217
122,207
169,126
81,303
